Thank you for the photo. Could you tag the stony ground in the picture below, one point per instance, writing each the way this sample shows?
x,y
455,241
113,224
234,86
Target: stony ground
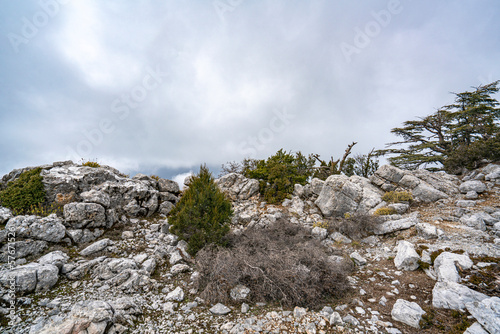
x,y
159,297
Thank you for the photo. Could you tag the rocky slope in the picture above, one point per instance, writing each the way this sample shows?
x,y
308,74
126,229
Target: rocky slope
x,y
108,263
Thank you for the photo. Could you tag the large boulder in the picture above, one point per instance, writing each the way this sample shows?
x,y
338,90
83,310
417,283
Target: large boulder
x,y
409,313
238,187
473,185
406,257
487,313
341,194
78,215
397,225
454,296
29,278
48,228
445,266
425,186
22,249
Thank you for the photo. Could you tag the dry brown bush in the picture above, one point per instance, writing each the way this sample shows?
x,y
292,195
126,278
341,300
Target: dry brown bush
x,y
356,226
281,263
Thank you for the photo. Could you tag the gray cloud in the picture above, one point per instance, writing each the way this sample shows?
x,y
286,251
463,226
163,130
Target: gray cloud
x,y
166,86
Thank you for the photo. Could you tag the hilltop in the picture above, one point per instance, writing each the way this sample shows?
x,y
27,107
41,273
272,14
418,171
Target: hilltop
x,y
419,250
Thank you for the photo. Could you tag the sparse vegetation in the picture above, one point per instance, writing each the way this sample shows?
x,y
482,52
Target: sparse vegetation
x,y
203,214
280,263
279,174
397,197
90,163
385,211
25,193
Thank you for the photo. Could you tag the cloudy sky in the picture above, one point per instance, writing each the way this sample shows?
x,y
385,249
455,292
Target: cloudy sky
x,y
161,87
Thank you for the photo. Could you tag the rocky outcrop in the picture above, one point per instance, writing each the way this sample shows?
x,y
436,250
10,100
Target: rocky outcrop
x,y
425,186
238,187
341,194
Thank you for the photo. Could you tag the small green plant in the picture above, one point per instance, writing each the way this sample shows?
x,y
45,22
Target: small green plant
x,y
385,211
321,224
89,163
24,193
397,197
347,215
203,214
155,177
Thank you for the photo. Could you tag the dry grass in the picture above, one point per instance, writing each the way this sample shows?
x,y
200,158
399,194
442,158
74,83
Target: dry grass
x,y
280,263
355,227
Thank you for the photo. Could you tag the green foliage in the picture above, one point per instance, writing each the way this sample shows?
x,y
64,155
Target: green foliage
x,y
363,165
385,211
397,197
203,213
456,136
25,193
279,174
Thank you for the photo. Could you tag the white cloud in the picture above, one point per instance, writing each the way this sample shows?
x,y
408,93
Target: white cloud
x,y
179,178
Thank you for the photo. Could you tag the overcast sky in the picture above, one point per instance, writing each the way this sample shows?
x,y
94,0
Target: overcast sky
x,y
161,87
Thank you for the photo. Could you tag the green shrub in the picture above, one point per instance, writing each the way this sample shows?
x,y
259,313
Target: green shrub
x,y
93,164
24,193
385,211
203,213
279,174
397,197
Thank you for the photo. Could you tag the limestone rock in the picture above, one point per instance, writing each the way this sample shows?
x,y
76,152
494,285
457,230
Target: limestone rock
x,y
474,220
473,185
96,247
56,258
239,292
319,233
406,258
78,215
219,309
95,196
358,259
22,249
445,266
170,186
476,328
5,214
409,313
176,295
341,194
396,225
31,277
487,313
454,296
428,231
238,187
